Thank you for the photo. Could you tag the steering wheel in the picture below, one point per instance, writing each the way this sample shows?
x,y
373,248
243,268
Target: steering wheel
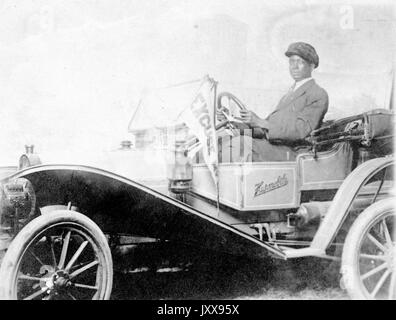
x,y
228,106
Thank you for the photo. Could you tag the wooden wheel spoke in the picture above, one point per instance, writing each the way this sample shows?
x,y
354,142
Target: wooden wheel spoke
x,y
374,271
380,283
376,242
77,265
85,286
37,258
392,287
64,250
86,267
36,294
71,296
26,277
52,251
76,255
372,256
387,234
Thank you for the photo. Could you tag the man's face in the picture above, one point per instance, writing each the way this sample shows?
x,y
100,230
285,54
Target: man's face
x,y
299,68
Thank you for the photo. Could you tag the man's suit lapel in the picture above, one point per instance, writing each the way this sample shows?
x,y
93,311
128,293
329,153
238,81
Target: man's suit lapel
x,y
289,98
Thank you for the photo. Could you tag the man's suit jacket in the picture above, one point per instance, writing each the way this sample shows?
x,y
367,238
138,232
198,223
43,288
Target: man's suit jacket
x,y
298,113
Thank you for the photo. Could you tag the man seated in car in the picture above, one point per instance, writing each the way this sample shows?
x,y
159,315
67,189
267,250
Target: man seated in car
x,y
297,114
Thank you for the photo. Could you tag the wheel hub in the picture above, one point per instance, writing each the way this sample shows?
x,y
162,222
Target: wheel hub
x,y
61,280
46,280
53,280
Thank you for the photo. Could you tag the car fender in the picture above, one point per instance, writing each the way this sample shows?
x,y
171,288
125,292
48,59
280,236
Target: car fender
x,y
148,198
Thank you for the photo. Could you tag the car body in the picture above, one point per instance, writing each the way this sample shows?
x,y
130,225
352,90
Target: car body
x,y
283,209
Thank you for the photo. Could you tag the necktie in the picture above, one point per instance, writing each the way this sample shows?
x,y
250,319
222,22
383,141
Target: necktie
x,y
289,93
291,90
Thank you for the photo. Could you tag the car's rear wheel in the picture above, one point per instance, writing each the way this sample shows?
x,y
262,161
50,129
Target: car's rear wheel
x,y
62,255
369,254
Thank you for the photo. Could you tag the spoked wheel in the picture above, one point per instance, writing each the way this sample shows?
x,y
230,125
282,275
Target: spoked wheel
x,y
60,256
369,255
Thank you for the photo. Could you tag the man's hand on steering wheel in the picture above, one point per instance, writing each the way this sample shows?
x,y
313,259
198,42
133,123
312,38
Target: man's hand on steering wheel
x,y
224,120
226,116
249,117
241,120
253,120
220,115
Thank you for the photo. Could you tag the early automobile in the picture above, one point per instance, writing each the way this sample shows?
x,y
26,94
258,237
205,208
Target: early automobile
x,y
62,219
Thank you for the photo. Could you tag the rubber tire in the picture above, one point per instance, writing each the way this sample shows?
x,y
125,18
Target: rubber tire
x,y
349,261
32,229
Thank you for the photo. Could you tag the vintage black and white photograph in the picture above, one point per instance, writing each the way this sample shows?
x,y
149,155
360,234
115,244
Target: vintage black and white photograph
x,y
197,150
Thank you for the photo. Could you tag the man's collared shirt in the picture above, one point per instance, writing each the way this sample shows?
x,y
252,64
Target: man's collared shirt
x,y
300,83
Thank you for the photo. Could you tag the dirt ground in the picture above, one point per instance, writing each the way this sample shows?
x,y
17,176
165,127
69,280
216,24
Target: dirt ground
x,y
221,276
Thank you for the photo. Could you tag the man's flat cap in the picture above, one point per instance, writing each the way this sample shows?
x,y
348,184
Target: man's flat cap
x,y
305,51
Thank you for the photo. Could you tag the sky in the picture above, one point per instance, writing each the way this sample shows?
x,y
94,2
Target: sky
x,y
72,72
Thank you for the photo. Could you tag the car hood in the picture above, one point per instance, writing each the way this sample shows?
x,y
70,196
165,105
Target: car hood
x,y
130,163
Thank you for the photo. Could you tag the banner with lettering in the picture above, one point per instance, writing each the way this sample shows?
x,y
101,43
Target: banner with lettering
x,y
199,116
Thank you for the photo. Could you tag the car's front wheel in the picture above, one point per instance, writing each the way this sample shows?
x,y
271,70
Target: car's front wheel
x,y
62,255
